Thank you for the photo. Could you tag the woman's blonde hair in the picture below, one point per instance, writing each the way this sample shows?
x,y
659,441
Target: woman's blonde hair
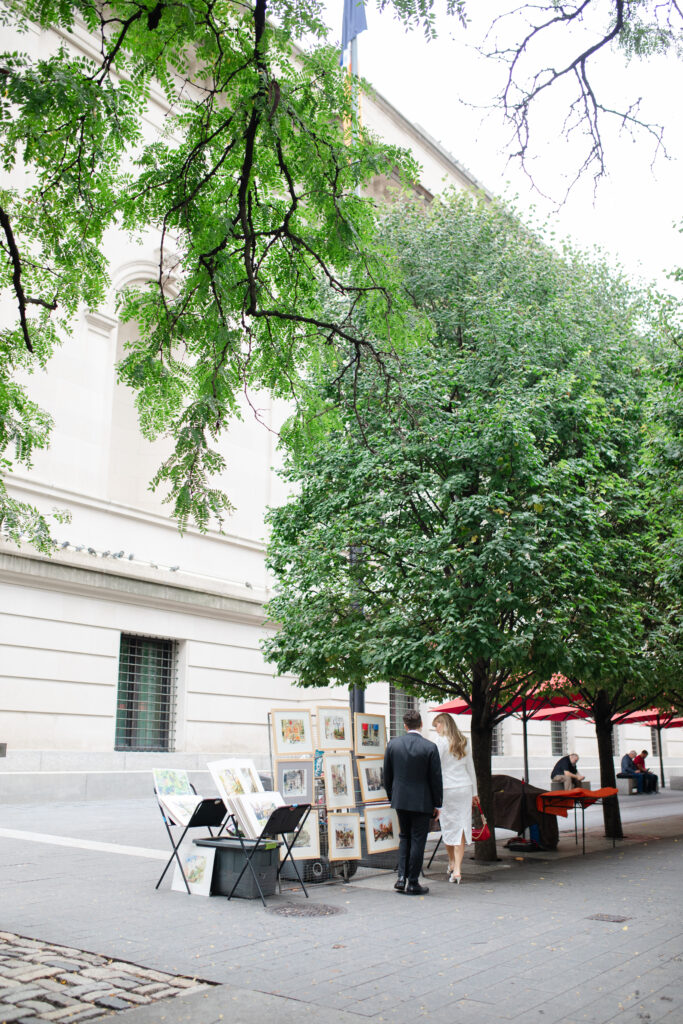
x,y
457,743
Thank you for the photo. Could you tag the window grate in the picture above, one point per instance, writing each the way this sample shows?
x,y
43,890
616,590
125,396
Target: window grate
x,y
654,741
497,744
146,694
558,738
399,703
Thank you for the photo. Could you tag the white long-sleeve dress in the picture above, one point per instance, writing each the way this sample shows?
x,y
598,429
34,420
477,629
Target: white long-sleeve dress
x,y
459,786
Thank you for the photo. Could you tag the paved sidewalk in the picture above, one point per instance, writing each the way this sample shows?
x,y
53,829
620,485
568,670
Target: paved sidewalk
x,y
527,939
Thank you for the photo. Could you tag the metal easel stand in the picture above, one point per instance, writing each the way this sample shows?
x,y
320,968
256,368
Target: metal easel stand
x,y
210,813
282,821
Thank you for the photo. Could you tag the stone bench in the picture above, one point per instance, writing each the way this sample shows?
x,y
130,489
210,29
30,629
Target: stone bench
x,y
627,786
676,782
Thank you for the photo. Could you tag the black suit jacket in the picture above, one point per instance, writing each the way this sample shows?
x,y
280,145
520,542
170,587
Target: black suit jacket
x,y
412,774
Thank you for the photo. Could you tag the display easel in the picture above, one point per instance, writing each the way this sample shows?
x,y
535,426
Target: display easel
x,y
209,813
283,820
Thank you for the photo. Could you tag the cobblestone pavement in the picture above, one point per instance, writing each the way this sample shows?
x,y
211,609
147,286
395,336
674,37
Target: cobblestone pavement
x,y
43,982
551,938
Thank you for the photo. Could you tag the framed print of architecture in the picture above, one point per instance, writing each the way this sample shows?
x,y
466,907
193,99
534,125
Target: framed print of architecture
x,y
338,774
343,836
370,734
307,846
291,731
371,778
334,728
294,781
198,868
381,829
235,776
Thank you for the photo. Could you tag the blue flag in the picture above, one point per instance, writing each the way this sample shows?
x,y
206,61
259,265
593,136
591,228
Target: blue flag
x,y
353,24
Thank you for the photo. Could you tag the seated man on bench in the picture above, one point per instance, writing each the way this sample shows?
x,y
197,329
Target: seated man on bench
x,y
629,771
651,780
565,771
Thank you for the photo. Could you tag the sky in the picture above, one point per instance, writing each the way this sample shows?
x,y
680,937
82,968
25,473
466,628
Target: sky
x,y
446,87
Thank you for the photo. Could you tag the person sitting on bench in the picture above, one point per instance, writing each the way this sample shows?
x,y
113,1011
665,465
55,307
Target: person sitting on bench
x,y
651,780
565,772
629,771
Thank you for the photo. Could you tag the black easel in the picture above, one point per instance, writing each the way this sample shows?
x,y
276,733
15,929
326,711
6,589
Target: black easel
x,y
209,813
283,820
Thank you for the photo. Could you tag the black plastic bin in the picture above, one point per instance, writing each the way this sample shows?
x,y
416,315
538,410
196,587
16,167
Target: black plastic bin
x,y
230,860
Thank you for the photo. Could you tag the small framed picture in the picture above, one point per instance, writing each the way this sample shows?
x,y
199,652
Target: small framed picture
x,y
371,778
307,845
291,731
370,734
294,780
197,864
343,836
338,774
334,728
381,829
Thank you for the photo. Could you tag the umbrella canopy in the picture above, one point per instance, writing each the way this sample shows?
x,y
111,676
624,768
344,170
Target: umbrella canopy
x,y
560,714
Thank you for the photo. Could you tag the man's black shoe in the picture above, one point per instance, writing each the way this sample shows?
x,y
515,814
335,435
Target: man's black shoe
x,y
400,884
415,889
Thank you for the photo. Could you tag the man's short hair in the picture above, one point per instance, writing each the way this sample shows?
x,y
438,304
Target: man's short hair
x,y
575,755
412,719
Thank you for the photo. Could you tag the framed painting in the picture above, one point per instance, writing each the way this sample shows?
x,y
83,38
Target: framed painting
x,y
370,735
334,728
254,809
294,780
343,836
381,829
197,864
371,778
307,845
235,776
291,731
338,774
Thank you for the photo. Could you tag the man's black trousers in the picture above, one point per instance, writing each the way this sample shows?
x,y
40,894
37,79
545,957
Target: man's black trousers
x,y
414,827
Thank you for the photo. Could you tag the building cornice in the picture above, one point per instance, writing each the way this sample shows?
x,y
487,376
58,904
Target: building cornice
x,y
188,596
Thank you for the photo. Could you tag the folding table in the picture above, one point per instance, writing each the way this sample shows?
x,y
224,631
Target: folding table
x,y
559,802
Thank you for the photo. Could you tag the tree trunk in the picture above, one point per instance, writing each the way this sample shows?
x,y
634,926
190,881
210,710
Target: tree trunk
x,y
603,731
482,739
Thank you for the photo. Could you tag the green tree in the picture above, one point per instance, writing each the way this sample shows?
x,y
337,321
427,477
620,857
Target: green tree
x,y
254,186
473,484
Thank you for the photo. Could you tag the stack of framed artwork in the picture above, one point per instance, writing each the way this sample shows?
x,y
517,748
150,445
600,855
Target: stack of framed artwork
x,y
350,751
294,776
239,784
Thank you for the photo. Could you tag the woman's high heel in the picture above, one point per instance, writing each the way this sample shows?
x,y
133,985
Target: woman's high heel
x,y
456,879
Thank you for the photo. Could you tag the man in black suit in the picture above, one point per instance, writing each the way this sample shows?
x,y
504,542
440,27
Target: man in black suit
x,y
412,779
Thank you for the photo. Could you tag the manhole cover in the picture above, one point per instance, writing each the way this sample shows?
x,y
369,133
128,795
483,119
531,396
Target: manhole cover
x,y
307,910
608,917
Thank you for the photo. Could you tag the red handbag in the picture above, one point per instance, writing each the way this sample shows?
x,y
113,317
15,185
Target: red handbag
x,y
484,832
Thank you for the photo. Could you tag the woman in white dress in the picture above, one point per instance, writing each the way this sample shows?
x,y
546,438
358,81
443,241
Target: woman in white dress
x,y
459,792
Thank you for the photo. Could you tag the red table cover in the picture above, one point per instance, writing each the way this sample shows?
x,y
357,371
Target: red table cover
x,y
560,801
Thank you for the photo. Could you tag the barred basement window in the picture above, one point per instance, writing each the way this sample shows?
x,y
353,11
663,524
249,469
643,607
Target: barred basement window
x,y
497,746
654,741
145,706
399,703
558,738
